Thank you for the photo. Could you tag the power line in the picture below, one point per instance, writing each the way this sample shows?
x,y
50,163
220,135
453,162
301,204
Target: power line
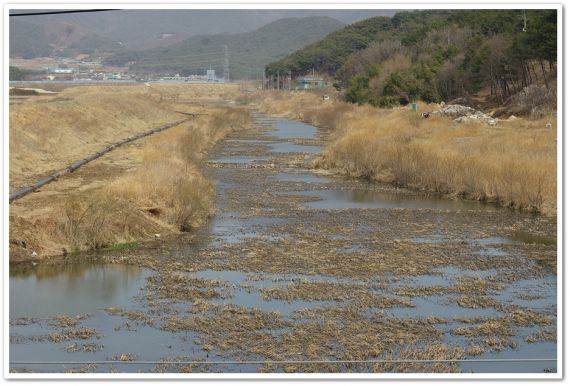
x,y
261,362
226,69
62,12
189,55
158,63
244,55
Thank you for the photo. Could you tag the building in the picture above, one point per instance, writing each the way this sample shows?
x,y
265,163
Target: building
x,y
311,82
211,75
58,70
60,73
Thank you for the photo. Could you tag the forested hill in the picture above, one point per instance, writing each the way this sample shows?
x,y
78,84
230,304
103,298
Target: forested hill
x,y
329,54
31,40
249,52
434,55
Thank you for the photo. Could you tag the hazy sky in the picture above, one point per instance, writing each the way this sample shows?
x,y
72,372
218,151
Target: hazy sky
x,y
136,27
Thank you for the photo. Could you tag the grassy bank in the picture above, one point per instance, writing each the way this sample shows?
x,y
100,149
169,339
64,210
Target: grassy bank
x,y
49,133
513,163
151,187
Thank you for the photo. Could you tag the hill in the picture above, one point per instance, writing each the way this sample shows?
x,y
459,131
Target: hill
x,y
142,29
249,52
328,54
30,40
437,55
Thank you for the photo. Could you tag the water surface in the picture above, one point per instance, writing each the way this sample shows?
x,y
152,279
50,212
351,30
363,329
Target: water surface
x,y
355,198
46,291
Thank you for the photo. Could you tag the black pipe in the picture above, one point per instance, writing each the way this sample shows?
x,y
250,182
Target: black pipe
x,y
76,165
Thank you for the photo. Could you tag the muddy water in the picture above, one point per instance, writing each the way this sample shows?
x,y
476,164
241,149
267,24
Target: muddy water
x,y
268,197
73,289
39,294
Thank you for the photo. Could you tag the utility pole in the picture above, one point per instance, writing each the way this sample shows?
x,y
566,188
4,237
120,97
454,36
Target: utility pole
x,y
226,64
289,80
277,80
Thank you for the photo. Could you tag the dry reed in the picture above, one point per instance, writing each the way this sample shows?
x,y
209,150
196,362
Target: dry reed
x,y
513,163
158,190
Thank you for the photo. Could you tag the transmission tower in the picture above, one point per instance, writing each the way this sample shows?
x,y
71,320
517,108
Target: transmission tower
x,y
226,65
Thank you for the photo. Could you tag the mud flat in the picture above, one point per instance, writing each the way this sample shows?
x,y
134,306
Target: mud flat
x,y
300,271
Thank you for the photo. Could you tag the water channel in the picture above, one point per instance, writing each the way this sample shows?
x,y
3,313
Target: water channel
x,y
40,293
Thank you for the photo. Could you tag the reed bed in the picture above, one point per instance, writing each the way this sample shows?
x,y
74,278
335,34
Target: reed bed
x,y
152,188
512,164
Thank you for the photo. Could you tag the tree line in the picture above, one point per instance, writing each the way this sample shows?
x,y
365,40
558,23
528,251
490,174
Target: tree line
x,y
434,55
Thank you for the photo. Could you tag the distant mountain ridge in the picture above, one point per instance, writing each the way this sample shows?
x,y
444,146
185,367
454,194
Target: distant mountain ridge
x,y
29,40
141,29
249,52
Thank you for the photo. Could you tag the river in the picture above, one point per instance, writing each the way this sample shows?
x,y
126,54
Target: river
x,y
286,244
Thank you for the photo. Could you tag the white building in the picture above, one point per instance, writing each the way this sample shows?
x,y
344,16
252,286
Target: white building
x,y
210,75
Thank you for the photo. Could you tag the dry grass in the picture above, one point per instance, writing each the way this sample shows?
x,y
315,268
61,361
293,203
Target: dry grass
x,y
80,333
524,317
323,291
490,327
475,350
87,347
68,321
153,186
182,367
478,302
89,368
49,134
347,332
172,285
125,357
137,316
502,326
543,335
435,351
513,164
476,287
499,344
166,192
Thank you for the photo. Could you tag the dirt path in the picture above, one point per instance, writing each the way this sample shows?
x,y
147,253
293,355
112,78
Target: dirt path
x,y
300,266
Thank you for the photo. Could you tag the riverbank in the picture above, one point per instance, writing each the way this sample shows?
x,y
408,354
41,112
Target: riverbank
x,y
512,164
302,266
148,189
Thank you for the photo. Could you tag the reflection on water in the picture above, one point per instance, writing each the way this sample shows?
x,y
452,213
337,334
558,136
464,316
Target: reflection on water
x,y
529,238
46,271
540,350
290,147
237,159
82,287
338,199
230,228
301,177
285,128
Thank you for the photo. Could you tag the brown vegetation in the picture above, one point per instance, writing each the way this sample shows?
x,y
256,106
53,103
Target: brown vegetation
x,y
80,333
322,291
153,186
513,163
48,134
